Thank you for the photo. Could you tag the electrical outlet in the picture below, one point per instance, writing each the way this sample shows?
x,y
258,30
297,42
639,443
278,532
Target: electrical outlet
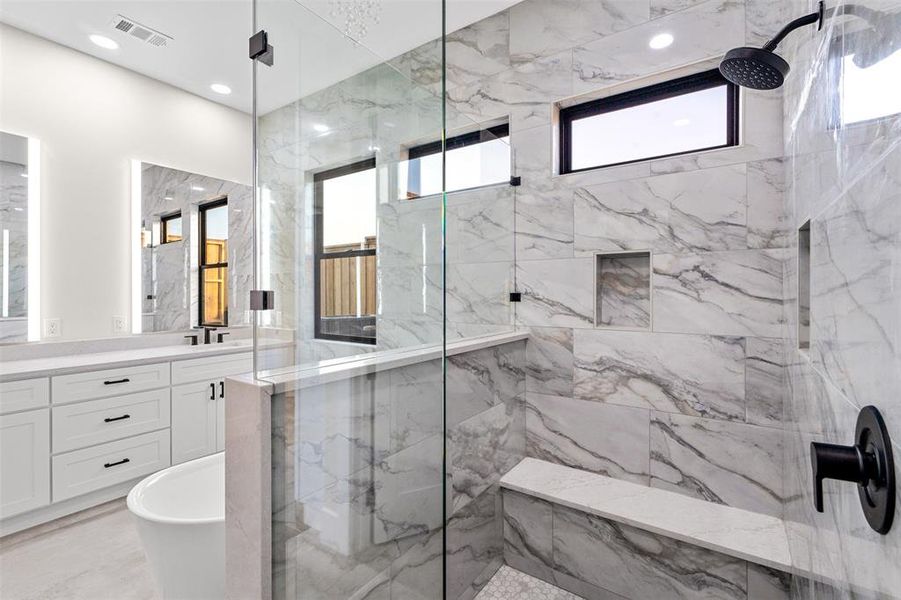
x,y
120,325
52,328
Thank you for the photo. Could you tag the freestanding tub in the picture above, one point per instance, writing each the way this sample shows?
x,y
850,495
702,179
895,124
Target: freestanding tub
x,y
181,520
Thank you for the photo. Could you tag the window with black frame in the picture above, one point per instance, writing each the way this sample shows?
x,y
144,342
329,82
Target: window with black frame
x,y
472,160
170,228
690,114
214,264
345,247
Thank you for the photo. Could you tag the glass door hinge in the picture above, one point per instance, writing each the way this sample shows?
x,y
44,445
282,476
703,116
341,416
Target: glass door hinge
x,y
262,299
260,49
515,296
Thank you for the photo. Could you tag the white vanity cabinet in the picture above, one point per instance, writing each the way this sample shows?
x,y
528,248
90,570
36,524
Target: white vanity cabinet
x,y
81,438
24,446
24,461
198,404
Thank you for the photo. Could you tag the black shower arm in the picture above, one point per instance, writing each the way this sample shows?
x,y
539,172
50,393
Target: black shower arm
x,y
855,10
799,22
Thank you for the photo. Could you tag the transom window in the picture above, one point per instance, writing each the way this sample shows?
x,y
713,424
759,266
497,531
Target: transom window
x,y
689,114
345,246
472,160
214,264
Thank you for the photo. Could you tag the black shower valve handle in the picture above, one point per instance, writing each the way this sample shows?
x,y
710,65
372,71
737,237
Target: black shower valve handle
x,y
869,463
843,463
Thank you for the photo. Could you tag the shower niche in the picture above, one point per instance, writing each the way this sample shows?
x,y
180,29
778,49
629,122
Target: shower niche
x,y
622,290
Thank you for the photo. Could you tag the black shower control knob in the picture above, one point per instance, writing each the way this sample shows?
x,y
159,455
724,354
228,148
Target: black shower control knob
x,y
868,463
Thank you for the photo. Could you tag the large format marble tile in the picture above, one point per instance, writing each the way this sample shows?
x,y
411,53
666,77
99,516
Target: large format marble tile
x,y
528,533
542,27
544,224
765,381
729,463
677,212
705,31
556,292
601,438
684,374
549,361
720,293
767,219
473,541
482,448
639,564
477,381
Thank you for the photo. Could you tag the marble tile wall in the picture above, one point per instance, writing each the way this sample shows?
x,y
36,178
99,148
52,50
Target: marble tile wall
x,y
359,484
170,272
691,402
597,558
654,390
843,177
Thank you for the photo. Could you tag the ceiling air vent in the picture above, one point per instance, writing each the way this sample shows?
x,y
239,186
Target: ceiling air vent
x,y
142,32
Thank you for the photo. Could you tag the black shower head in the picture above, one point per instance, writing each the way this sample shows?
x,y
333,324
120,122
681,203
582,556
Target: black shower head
x,y
762,68
754,68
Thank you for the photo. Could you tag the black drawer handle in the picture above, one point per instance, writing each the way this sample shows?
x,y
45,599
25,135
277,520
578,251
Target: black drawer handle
x,y
115,381
113,464
111,419
222,389
212,391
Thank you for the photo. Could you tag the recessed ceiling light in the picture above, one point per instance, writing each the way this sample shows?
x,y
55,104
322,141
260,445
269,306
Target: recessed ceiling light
x,y
320,127
18,209
221,88
197,188
167,197
661,41
25,175
104,42
681,122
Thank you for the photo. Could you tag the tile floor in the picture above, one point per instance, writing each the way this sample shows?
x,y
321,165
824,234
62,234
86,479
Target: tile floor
x,y
510,584
96,556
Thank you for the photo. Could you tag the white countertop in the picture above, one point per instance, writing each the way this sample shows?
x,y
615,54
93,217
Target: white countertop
x,y
12,370
336,369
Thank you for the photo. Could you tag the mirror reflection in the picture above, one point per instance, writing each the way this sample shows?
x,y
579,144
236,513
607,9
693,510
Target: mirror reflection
x,y
195,257
13,238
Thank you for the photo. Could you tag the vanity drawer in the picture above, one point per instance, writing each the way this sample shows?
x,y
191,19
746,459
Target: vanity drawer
x,y
211,367
83,471
109,382
24,395
98,421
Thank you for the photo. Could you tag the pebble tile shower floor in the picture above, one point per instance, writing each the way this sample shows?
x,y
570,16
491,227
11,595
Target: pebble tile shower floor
x,y
510,584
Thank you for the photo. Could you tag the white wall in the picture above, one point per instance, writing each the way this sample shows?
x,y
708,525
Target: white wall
x,y
92,118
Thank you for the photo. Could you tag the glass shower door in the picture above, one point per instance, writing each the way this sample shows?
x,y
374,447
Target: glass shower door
x,y
353,250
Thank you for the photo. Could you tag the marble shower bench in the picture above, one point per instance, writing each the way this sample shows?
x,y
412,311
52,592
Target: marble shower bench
x,y
600,537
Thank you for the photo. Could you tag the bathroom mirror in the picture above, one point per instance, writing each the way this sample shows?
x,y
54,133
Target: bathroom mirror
x,y
195,250
17,192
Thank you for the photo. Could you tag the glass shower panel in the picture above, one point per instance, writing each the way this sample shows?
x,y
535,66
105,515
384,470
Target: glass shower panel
x,y
354,344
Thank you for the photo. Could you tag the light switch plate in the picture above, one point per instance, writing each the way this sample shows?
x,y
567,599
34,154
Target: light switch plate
x,y
52,328
120,325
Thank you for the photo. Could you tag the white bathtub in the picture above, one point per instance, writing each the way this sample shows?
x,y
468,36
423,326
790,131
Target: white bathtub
x,y
181,519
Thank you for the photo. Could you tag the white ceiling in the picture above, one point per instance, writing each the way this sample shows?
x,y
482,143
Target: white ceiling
x,y
209,42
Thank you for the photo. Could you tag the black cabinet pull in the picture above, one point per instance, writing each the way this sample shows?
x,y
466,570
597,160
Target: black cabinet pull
x,y
212,391
115,381
111,419
222,389
113,464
